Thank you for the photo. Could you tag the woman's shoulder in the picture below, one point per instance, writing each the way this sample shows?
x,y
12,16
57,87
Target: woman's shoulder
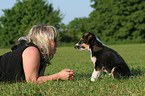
x,y
23,45
31,54
31,50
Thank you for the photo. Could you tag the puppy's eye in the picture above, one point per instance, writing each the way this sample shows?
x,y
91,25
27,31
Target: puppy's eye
x,y
85,42
81,41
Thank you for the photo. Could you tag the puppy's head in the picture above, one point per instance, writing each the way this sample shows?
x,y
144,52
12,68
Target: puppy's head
x,y
85,42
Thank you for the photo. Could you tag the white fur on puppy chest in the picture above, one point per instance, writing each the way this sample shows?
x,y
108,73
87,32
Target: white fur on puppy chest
x,y
93,60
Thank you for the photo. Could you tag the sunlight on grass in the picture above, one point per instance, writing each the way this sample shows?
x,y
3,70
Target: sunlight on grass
x,y
79,61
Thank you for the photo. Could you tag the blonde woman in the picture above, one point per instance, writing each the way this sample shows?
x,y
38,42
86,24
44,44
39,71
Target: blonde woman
x,y
28,59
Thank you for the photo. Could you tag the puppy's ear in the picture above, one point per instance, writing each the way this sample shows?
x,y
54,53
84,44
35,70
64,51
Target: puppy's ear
x,y
90,37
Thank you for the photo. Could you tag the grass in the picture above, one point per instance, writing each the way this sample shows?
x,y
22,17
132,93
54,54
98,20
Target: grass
x,y
79,61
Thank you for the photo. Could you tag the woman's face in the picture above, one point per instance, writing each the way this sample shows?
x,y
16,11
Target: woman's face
x,y
53,45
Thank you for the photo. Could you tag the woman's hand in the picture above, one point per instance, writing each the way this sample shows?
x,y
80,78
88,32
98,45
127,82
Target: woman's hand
x,y
66,74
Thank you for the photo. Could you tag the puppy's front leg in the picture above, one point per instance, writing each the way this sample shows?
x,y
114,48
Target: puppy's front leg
x,y
95,75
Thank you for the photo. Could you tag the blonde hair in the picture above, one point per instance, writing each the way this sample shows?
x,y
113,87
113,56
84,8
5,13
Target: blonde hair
x,y
41,35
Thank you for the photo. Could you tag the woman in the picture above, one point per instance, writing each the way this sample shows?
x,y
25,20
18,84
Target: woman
x,y
28,59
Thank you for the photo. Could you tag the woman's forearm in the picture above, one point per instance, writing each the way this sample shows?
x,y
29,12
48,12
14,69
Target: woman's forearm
x,y
52,77
65,74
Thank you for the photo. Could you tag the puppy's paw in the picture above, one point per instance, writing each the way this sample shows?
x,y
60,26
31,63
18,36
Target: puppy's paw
x,y
93,79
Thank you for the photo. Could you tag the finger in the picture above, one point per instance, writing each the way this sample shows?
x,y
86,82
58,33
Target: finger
x,y
71,77
67,69
71,73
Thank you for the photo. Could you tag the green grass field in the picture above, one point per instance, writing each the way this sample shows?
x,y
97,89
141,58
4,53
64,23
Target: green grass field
x,y
79,61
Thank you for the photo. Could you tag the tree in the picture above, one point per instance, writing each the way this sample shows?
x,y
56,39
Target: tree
x,y
76,28
18,20
118,20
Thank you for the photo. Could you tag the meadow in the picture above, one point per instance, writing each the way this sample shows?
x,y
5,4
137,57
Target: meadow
x,y
79,61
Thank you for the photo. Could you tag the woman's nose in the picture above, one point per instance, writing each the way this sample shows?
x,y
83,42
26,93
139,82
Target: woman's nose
x,y
57,43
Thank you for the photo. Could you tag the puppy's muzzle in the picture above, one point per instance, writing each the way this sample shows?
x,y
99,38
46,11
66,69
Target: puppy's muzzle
x,y
77,46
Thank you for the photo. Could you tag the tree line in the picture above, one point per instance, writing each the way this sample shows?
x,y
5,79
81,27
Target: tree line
x,y
113,21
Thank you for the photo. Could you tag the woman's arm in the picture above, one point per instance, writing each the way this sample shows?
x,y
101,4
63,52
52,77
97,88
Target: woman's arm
x,y
31,63
65,74
42,70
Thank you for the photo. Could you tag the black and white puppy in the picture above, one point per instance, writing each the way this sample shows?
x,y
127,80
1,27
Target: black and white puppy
x,y
103,57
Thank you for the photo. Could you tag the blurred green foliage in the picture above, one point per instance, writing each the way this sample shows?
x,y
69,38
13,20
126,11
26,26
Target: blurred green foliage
x,y
113,21
18,20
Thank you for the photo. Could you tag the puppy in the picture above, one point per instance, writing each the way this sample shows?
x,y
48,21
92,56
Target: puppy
x,y
103,58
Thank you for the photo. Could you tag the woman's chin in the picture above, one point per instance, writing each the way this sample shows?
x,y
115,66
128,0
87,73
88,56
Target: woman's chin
x,y
52,52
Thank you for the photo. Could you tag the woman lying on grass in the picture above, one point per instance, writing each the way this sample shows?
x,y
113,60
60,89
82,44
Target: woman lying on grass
x,y
28,59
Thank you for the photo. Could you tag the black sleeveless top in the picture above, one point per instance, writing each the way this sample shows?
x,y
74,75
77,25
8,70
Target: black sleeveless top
x,y
11,63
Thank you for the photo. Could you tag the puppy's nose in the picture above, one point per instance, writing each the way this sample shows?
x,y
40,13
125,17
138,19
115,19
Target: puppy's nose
x,y
76,47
